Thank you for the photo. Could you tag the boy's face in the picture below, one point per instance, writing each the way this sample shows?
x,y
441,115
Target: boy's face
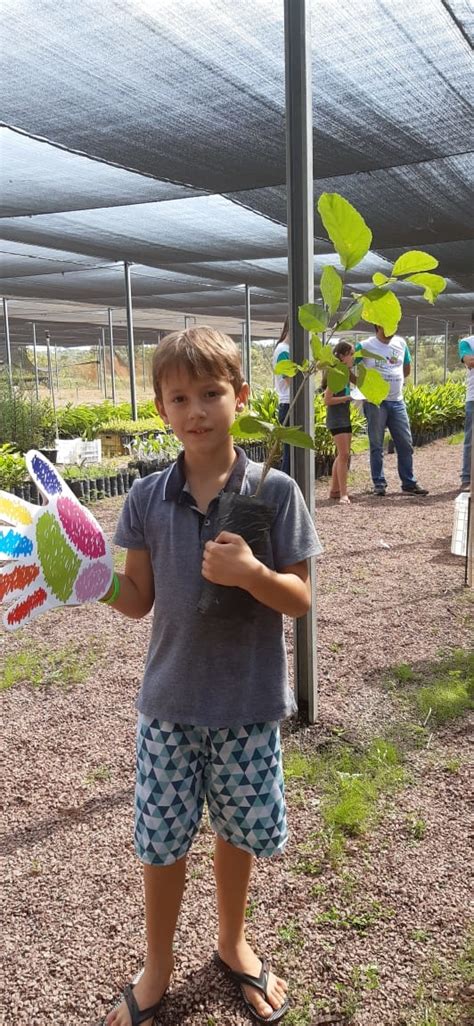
x,y
200,410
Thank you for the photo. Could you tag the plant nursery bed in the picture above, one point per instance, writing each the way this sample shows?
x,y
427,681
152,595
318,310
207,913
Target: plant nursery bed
x,y
367,917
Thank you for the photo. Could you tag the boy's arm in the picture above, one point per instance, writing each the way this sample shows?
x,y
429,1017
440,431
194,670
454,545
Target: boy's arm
x,y
137,592
231,562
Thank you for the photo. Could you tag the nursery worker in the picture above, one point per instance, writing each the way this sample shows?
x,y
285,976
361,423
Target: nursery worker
x,y
466,353
282,386
338,422
213,691
392,412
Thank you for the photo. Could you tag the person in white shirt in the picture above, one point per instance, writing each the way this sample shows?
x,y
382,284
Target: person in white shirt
x,y
466,354
282,386
392,412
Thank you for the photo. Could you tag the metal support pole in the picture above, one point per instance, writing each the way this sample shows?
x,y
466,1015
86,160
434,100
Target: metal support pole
x,y
415,359
130,340
248,338
299,186
242,348
47,338
56,364
470,528
143,366
112,357
446,340
35,361
7,342
99,366
104,360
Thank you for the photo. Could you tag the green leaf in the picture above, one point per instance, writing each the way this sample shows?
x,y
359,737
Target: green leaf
x,y
360,353
432,285
326,357
286,367
372,385
346,228
313,317
382,307
380,279
331,289
338,377
414,261
316,346
250,426
304,367
351,317
295,436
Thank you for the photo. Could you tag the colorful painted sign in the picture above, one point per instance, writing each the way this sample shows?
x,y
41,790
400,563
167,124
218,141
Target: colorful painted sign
x,y
55,554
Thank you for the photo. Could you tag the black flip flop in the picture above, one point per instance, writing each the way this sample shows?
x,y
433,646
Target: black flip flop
x,y
139,1015
260,983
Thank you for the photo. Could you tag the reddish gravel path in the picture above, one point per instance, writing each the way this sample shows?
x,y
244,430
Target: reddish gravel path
x,y
73,899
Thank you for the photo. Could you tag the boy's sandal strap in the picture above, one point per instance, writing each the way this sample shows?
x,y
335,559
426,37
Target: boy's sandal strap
x,y
138,1015
259,983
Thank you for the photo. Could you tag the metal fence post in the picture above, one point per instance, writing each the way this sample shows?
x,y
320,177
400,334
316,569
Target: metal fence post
x,y
299,185
130,340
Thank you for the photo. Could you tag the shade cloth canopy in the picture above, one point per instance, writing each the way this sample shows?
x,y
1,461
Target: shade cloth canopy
x,y
155,133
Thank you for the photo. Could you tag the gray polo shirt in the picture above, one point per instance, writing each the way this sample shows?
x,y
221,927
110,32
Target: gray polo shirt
x,y
214,673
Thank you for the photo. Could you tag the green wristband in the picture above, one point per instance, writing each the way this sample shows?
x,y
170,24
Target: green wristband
x,y
115,592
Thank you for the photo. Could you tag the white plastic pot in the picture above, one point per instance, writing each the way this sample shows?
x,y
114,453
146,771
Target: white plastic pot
x,y
459,539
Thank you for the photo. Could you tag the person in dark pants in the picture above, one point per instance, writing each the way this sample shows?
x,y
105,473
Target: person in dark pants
x,y
392,412
282,387
466,354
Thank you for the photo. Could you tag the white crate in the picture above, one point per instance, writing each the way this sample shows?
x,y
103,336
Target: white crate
x,y
91,452
68,450
459,539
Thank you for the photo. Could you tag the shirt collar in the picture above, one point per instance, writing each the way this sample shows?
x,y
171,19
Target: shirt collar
x,y
175,483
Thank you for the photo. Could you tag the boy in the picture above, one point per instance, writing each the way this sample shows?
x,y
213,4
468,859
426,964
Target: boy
x,y
212,695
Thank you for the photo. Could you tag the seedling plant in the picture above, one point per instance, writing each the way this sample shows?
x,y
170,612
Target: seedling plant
x,y
351,239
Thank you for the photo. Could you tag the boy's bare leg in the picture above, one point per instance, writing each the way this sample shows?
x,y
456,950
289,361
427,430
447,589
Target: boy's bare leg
x,y
232,868
164,886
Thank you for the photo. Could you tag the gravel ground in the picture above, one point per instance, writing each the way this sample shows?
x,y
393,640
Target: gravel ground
x,y
73,900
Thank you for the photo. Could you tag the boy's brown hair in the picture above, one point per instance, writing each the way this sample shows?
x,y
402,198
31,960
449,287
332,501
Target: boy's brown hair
x,y
202,352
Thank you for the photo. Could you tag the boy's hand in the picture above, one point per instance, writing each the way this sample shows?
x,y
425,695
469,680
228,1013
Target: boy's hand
x,y
230,561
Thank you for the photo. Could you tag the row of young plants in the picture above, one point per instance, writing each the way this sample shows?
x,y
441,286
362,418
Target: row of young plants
x,y
433,412
88,482
30,423
27,423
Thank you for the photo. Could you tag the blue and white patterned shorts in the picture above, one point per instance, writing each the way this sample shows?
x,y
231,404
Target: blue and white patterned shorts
x,y
238,770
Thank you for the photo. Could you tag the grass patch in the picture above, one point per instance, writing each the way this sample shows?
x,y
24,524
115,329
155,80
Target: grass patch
x,y
97,775
360,919
444,701
39,667
444,994
439,691
456,439
291,935
350,782
416,827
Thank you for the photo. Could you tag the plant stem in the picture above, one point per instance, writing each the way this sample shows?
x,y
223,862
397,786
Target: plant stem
x,y
274,447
